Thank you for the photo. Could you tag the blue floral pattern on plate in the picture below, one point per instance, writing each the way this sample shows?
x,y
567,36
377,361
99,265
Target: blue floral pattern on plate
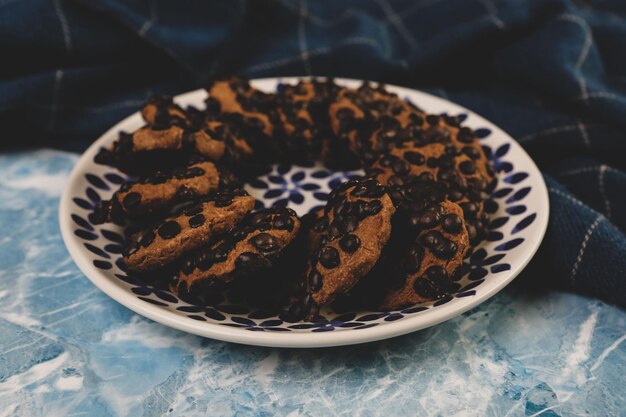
x,y
305,189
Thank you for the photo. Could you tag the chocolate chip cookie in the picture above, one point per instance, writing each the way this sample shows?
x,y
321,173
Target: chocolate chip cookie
x,y
235,96
429,261
355,227
194,226
163,190
152,149
302,112
251,246
161,111
357,116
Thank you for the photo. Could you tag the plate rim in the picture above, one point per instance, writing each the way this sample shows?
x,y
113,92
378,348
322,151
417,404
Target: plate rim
x,y
292,339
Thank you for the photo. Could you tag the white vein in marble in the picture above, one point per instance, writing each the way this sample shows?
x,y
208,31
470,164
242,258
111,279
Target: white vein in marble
x,y
68,350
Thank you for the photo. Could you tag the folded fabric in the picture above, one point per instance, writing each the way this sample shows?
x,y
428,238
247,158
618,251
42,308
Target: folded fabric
x,y
550,72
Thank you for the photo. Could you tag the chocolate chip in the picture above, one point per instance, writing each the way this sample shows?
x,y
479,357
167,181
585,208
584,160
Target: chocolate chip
x,y
264,242
451,150
373,207
438,276
414,158
386,161
188,265
316,280
223,200
432,162
196,221
192,210
429,219
334,231
396,195
470,210
320,224
471,151
370,189
416,119
258,218
250,261
455,194
220,254
350,243
465,135
424,288
451,120
184,193
452,223
413,260
131,200
432,119
431,238
147,238
191,173
445,249
467,167
400,166
446,162
472,233
283,223
329,257
157,178
426,176
436,135
169,229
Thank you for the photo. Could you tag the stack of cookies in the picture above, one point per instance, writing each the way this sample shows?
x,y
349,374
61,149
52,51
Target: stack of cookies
x,y
391,239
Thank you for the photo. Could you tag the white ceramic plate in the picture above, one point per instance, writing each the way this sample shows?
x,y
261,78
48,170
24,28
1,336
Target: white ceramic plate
x,y
519,207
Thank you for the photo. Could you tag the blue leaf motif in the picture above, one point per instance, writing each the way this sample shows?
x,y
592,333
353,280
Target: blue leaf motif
x,y
503,192
82,222
519,195
482,133
84,204
493,259
477,273
283,168
321,174
298,176
92,195
96,181
283,202
514,210
524,223
102,264
276,179
494,236
516,178
114,178
500,267
510,244
310,187
112,236
503,150
296,197
259,184
499,222
276,192
321,196
83,234
503,167
96,250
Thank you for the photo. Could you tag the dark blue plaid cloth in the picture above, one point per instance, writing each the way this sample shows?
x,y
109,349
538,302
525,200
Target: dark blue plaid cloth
x,y
550,72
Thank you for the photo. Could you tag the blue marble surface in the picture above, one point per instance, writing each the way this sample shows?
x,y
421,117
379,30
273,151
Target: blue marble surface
x,y
66,349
